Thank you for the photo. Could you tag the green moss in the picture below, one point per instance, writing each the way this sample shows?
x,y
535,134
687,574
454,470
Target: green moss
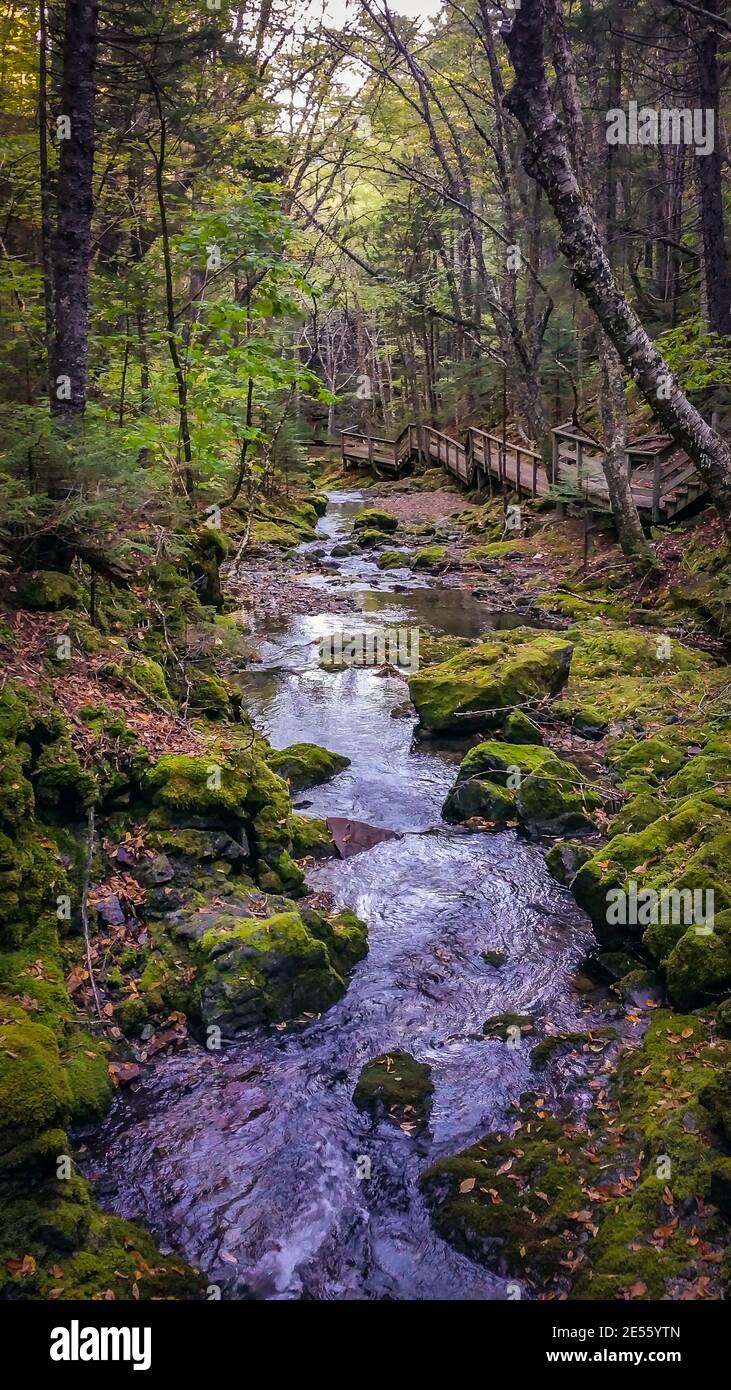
x,y
565,858
310,836
87,1068
47,591
141,673
519,728
594,1040
209,695
522,783
60,782
430,557
374,519
477,687
592,1208
397,1087
34,1088
274,968
392,559
497,550
306,764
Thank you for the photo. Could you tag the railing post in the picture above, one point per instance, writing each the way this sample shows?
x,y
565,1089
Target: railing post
x,y
656,478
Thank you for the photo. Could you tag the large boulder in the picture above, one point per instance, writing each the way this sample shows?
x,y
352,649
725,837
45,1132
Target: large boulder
x,y
271,968
525,784
374,519
306,764
477,686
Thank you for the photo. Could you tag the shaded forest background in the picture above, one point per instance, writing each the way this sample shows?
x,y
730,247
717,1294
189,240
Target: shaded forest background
x,y
228,232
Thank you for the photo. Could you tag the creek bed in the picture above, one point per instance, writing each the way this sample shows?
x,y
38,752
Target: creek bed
x,y
248,1160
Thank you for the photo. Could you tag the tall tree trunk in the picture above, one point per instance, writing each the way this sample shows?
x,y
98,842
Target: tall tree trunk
x,y
708,175
614,411
45,189
75,206
546,158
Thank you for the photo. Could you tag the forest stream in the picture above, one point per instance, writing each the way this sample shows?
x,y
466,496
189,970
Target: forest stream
x,y
248,1160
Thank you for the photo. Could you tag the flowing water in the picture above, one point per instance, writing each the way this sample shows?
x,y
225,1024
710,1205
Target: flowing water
x,y
247,1160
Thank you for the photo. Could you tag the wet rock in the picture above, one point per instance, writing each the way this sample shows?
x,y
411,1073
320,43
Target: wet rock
x,y
565,858
375,519
306,764
507,1025
156,871
111,911
396,1087
272,969
495,958
353,836
518,728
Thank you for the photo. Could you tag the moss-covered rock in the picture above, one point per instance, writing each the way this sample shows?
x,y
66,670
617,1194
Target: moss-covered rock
x,y
209,695
392,559
519,728
34,1089
395,1086
274,968
428,558
564,859
524,784
306,764
143,675
477,687
47,591
596,1207
375,519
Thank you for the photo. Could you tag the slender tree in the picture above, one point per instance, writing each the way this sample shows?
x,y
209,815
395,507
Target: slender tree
x,y
546,158
75,206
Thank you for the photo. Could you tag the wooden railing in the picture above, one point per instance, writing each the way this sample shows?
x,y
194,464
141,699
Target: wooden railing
x,y
662,486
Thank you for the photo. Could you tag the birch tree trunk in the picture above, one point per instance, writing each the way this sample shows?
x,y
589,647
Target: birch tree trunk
x,y
546,158
613,406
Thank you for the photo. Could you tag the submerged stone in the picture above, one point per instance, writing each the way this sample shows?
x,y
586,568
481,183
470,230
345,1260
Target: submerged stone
x,y
396,1087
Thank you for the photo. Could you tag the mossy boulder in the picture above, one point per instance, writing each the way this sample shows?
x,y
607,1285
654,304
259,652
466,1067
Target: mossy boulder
x,y
553,1203
520,728
520,784
478,686
374,519
209,695
34,1089
47,591
392,559
685,851
60,782
395,1086
366,538
428,558
274,968
142,675
311,837
565,858
207,548
306,764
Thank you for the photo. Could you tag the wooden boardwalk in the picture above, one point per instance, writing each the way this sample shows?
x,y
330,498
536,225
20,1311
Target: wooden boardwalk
x,y
664,481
